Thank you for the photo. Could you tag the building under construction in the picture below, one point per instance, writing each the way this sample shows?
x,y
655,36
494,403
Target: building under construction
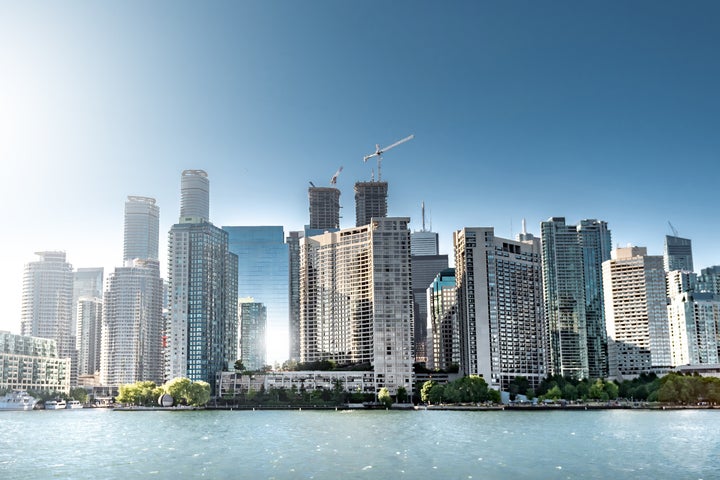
x,y
324,208
370,201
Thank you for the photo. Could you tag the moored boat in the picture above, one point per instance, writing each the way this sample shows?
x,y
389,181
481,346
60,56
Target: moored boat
x,y
17,400
74,404
55,405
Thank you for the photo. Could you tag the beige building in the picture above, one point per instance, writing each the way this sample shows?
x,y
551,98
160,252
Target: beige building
x,y
31,363
356,300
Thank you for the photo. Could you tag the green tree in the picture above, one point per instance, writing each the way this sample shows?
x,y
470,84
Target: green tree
x,y
402,395
425,390
179,389
384,397
612,390
239,366
79,394
436,393
198,393
554,393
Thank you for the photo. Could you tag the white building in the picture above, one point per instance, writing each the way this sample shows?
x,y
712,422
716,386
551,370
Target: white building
x,y
636,313
31,363
356,299
142,228
500,313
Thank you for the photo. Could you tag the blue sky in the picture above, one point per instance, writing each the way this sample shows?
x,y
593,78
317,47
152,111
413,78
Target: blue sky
x,y
519,109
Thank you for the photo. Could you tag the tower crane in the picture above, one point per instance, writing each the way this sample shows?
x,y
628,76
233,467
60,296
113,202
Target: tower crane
x,y
379,151
333,179
674,230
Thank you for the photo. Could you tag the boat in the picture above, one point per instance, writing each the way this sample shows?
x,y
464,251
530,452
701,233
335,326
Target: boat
x,y
17,400
55,405
74,404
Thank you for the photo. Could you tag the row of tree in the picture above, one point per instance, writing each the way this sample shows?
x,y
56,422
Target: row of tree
x,y
470,389
183,391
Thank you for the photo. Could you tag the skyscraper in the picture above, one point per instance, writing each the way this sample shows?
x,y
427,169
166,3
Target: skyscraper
x,y
443,339
263,275
424,242
573,296
293,243
47,301
194,197
251,342
356,300
678,253
636,313
424,269
370,201
500,314
88,283
142,228
132,325
88,338
324,208
201,336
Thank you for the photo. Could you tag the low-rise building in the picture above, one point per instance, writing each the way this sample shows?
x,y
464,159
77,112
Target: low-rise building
x,y
31,363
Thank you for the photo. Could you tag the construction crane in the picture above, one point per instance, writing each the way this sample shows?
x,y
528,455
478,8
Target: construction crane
x,y
379,151
674,231
333,179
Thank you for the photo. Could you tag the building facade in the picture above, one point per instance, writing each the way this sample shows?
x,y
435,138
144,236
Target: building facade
x,y
89,335
573,296
324,205
31,363
251,341
636,313
370,201
678,253
47,301
132,325
356,300
194,196
142,229
500,312
443,345
424,269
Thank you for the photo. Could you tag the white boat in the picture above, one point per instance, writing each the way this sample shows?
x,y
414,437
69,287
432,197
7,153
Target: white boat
x,y
17,400
74,404
55,405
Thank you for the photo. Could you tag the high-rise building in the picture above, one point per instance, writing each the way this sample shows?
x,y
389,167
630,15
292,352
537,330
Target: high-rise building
x,y
263,274
500,313
194,197
370,201
251,342
87,283
201,335
356,300
424,243
573,296
31,363
293,243
88,338
709,280
47,301
443,339
142,229
678,253
132,325
324,208
636,313
424,269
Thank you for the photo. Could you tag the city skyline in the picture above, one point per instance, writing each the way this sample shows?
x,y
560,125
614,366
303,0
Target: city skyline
x,y
523,111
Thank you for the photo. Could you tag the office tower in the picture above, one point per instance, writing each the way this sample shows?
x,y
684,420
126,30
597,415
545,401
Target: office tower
x,y
573,295
194,197
132,325
709,280
500,314
356,300
693,318
263,274
201,335
636,313
443,340
424,269
31,363
293,244
424,243
87,282
324,208
88,338
47,301
678,253
370,201
251,342
142,229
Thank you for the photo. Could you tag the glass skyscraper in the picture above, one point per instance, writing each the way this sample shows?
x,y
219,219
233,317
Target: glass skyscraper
x,y
678,254
263,274
251,343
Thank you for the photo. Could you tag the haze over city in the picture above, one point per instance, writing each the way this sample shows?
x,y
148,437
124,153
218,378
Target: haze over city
x,y
519,110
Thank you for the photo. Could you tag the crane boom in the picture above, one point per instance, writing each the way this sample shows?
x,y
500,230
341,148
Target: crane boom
x,y
333,179
379,151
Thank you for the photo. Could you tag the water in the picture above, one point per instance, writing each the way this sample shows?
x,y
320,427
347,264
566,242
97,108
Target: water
x,y
102,444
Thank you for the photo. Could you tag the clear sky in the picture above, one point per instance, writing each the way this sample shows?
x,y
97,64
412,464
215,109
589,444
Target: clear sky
x,y
520,109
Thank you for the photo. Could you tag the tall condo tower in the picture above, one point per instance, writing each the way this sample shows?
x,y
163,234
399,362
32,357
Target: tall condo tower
x,y
251,342
636,313
47,301
500,314
293,243
324,208
142,229
443,342
89,328
201,336
678,253
573,295
356,300
194,197
370,201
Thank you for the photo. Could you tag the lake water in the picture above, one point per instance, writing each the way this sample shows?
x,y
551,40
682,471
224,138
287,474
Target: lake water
x,y
103,444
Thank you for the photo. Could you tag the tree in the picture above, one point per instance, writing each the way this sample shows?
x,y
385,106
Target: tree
x,y
554,393
198,393
384,397
401,395
239,366
178,388
425,390
79,394
436,394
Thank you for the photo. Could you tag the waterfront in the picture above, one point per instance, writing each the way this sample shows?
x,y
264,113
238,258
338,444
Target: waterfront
x,y
102,444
